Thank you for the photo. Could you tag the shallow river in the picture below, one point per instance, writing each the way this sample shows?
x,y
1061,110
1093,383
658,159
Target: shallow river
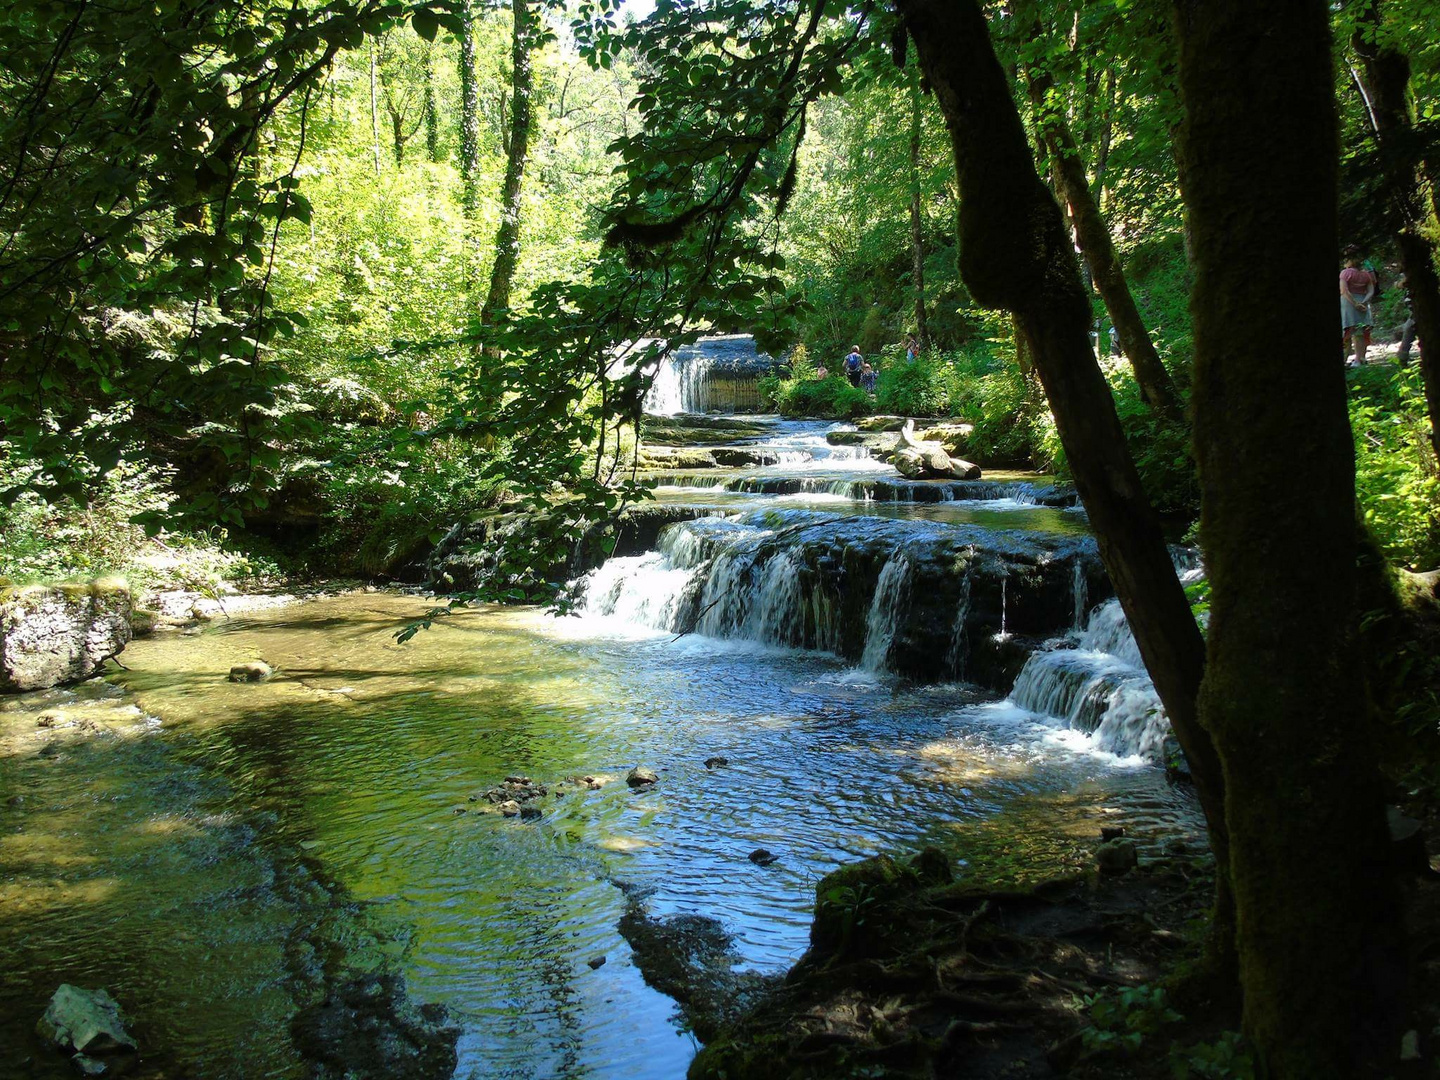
x,y
219,855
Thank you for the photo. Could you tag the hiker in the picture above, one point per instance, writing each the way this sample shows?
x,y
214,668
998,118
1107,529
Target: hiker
x,y
853,363
1357,289
868,377
822,373
912,349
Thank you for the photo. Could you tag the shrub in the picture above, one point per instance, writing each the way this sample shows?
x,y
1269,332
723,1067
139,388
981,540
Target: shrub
x,y
832,398
914,388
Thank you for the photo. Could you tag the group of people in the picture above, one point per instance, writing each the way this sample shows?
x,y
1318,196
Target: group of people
x,y
1359,289
861,372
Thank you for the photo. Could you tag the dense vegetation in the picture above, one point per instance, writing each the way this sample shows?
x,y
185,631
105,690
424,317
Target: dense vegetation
x,y
300,286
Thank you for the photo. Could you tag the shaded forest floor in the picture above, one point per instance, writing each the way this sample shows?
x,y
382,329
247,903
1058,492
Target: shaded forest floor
x,y
1089,976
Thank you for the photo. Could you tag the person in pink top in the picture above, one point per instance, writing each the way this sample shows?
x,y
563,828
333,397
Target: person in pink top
x,y
1357,290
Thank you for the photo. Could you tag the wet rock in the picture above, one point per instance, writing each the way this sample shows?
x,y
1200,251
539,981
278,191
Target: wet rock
x,y
86,1023
1117,856
743,456
510,808
529,813
519,781
716,762
878,442
596,962
368,1028
251,671
471,555
49,719
143,622
692,959
641,776
763,857
920,459
667,458
1112,832
52,635
880,423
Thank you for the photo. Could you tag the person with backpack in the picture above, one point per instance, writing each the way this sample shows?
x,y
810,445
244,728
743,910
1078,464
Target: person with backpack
x,y
853,363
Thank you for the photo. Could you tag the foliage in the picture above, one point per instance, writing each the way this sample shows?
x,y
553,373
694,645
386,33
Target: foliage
x,y
1396,478
1123,1019
913,388
831,398
65,540
141,211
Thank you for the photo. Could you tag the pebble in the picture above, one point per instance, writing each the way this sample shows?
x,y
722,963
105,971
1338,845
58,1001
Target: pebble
x,y
596,962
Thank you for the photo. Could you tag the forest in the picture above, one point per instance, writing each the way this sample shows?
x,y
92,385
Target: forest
x,y
619,681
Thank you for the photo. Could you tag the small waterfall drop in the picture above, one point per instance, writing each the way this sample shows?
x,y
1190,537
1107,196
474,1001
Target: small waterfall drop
x,y
679,385
886,610
959,650
1082,598
1100,687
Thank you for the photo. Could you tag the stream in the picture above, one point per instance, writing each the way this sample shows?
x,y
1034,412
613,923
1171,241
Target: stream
x,y
883,666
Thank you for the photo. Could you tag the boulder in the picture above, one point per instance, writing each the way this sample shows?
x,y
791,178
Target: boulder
x,y
909,463
251,671
1117,856
743,456
640,776
88,1023
50,635
880,423
763,857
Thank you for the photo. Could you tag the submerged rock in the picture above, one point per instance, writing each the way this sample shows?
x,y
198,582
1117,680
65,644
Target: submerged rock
x,y
716,762
369,1028
763,857
251,671
51,635
596,962
87,1023
640,776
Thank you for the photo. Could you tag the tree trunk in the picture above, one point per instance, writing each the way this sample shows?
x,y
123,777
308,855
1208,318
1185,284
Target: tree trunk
x,y
432,112
1107,134
917,232
469,139
1402,172
374,111
507,237
1317,920
1099,251
1015,255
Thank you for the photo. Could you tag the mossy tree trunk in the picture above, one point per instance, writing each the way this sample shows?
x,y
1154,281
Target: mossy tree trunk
x,y
1015,255
517,148
1099,250
1316,915
1403,173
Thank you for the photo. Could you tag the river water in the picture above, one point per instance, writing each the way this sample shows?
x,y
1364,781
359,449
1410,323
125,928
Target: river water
x,y
220,856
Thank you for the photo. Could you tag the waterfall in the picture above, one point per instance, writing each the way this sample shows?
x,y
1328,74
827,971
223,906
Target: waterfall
x,y
959,650
886,610
679,385
1100,687
1082,599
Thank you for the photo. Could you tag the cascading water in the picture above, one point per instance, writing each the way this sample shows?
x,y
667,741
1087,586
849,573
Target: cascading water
x,y
886,611
679,386
1100,687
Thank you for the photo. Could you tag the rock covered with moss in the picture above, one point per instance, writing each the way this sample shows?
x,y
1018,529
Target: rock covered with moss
x,y
56,634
